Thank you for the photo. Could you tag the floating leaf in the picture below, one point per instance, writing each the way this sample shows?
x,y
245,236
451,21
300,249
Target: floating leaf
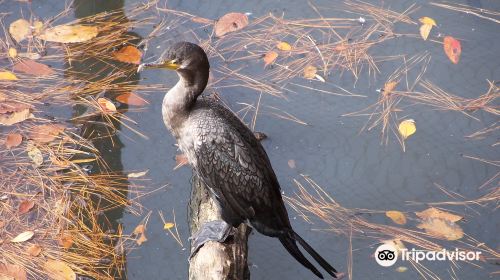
x,y
12,53
425,28
310,72
6,75
401,269
284,46
389,87
13,140
270,57
34,154
59,270
128,54
66,241
442,229
436,213
25,206
25,236
140,231
34,250
106,105
397,217
168,226
69,33
452,48
130,98
12,272
37,26
407,128
19,29
32,67
427,20
46,133
137,174
229,23
13,112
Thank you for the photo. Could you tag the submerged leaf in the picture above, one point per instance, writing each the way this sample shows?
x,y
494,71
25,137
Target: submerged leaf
x,y
128,54
13,140
436,213
407,128
397,217
106,105
270,57
25,206
284,46
25,236
19,29
130,98
442,229
34,68
452,48
70,33
46,133
59,270
13,112
229,23
310,72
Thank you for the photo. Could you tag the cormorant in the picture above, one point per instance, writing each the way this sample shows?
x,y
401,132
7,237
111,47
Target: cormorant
x,y
227,157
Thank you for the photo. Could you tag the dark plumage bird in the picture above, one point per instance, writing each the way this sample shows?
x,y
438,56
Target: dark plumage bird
x,y
226,155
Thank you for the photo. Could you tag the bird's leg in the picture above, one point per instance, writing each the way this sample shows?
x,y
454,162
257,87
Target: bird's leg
x,y
217,230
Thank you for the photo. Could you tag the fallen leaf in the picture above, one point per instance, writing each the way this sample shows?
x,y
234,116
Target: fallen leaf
x,y
407,128
291,164
31,67
137,174
401,269
6,75
140,231
37,26
452,48
19,29
427,20
13,140
181,160
389,87
34,154
13,112
106,105
202,20
25,236
69,33
425,28
34,250
442,229
131,99
229,23
128,54
46,133
397,217
310,72
66,241
25,206
12,53
12,272
270,57
168,226
59,270
436,213
284,46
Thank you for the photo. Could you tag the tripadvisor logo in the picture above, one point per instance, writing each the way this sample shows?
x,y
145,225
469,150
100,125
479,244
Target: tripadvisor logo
x,y
386,255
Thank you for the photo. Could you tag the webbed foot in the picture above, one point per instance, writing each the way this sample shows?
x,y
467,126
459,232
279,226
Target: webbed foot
x,y
211,231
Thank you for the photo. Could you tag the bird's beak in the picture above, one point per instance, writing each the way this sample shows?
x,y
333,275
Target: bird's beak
x,y
168,64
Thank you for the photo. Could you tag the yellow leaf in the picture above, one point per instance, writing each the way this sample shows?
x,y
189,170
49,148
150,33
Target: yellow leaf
x,y
6,75
70,33
59,270
310,72
401,268
427,20
397,217
168,225
12,53
284,46
425,29
106,105
37,26
407,128
128,54
442,229
436,213
19,29
25,236
137,174
270,57
389,87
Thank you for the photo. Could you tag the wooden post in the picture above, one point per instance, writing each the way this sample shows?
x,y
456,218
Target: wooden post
x,y
214,260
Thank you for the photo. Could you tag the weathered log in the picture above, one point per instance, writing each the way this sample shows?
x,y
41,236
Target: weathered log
x,y
214,260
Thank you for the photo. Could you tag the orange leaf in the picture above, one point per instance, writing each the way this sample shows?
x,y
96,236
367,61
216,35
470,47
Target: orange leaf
x,y
28,66
436,213
13,140
13,112
397,217
46,133
59,270
26,206
140,230
389,87
270,57
128,54
229,23
452,48
131,99
106,105
34,250
66,241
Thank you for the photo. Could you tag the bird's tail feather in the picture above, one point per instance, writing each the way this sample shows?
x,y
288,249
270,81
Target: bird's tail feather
x,y
289,242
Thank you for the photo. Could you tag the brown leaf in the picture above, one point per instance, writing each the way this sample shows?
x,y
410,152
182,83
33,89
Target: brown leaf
x,y
389,87
46,133
59,270
19,29
128,54
13,140
140,230
30,67
229,23
34,154
202,20
436,213
12,272
24,236
66,241
13,112
34,250
397,217
70,33
310,72
181,160
270,57
25,206
442,229
452,48
106,105
131,99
